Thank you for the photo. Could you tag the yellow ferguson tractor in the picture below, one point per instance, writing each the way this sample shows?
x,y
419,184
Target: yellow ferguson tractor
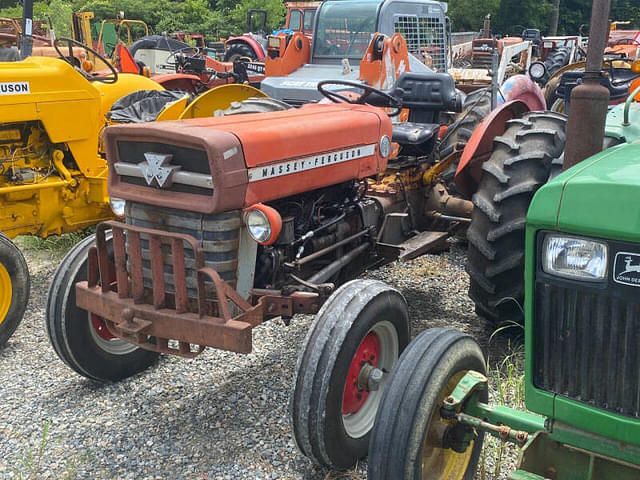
x,y
53,176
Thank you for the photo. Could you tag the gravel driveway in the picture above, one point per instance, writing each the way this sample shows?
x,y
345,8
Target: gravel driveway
x,y
219,416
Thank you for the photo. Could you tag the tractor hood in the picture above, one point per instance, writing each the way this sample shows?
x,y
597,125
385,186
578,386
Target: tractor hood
x,y
598,197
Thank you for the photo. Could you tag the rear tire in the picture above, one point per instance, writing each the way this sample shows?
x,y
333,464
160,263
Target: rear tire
x,y
331,415
79,339
14,288
402,441
523,160
236,51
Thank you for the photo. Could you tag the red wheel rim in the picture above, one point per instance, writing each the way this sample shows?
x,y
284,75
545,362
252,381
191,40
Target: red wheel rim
x,y
101,328
355,397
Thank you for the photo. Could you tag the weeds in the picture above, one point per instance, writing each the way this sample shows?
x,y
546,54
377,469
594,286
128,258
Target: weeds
x,y
56,244
32,463
506,387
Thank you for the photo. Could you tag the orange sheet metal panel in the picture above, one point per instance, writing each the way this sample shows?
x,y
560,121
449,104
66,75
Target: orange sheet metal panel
x,y
299,150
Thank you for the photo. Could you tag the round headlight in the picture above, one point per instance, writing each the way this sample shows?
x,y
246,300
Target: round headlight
x,y
537,70
385,146
117,206
263,223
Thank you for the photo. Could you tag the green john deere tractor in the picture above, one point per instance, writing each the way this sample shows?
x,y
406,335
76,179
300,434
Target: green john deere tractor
x,y
582,327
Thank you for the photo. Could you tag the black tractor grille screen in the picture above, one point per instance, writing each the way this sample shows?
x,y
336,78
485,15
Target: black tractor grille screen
x,y
586,342
189,160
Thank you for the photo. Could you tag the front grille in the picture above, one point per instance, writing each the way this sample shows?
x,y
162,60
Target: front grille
x,y
586,340
219,236
193,174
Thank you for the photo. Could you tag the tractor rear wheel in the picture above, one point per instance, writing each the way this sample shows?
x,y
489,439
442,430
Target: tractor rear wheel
x,y
409,433
523,159
14,288
352,345
477,106
239,50
81,339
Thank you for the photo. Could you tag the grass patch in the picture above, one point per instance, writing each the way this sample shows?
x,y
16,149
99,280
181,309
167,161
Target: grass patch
x,y
55,244
506,387
32,463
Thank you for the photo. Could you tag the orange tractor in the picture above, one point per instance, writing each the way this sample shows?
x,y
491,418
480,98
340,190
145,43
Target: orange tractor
x,y
230,221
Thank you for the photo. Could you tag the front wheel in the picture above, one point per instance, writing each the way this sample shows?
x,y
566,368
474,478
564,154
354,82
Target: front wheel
x,y
352,346
14,288
410,439
81,339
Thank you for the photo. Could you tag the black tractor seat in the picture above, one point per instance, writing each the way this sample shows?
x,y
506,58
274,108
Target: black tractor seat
x,y
425,95
416,138
618,88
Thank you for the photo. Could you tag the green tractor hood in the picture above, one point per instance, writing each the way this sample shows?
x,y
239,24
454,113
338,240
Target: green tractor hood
x,y
599,197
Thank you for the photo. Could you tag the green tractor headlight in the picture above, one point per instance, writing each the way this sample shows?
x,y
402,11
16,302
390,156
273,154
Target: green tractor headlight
x,y
574,257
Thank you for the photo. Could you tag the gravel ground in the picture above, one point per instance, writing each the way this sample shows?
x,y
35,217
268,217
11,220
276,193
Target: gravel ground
x,y
219,416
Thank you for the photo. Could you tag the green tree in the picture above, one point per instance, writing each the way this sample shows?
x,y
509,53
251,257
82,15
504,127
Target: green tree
x,y
468,15
275,14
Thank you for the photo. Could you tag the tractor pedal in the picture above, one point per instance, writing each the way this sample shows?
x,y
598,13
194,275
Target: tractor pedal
x,y
422,243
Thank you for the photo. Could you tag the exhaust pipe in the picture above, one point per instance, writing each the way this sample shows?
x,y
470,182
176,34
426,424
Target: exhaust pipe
x,y
589,101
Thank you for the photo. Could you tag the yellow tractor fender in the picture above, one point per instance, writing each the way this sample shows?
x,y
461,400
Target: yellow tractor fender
x,y
173,110
219,98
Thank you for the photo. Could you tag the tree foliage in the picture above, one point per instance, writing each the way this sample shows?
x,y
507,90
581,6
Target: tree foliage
x,y
512,16
220,18
213,18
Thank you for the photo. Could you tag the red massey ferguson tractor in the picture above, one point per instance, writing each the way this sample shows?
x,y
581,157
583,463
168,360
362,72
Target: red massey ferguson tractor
x,y
233,220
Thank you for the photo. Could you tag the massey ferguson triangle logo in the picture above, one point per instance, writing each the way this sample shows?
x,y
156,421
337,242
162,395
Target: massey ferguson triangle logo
x,y
627,269
156,167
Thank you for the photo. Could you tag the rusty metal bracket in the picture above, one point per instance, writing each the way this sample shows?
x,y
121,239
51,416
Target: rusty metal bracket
x,y
471,383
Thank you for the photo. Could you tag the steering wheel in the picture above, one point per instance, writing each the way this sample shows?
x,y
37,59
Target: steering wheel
x,y
392,102
175,63
74,62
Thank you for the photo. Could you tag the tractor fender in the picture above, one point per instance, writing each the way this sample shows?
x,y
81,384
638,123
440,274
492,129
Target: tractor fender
x,y
178,81
219,98
480,145
252,42
522,87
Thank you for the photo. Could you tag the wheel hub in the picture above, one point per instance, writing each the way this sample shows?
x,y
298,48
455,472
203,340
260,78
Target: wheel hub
x,y
101,328
6,292
362,377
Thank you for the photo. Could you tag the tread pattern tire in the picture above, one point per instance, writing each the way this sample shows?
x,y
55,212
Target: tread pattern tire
x,y
238,50
68,326
316,399
523,160
557,58
411,398
477,106
13,261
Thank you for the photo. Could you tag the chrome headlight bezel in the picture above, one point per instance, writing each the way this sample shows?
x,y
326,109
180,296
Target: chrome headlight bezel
x,y
258,225
594,258
117,206
538,67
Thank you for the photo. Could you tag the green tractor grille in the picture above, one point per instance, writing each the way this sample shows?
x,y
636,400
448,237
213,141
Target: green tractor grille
x,y
585,340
